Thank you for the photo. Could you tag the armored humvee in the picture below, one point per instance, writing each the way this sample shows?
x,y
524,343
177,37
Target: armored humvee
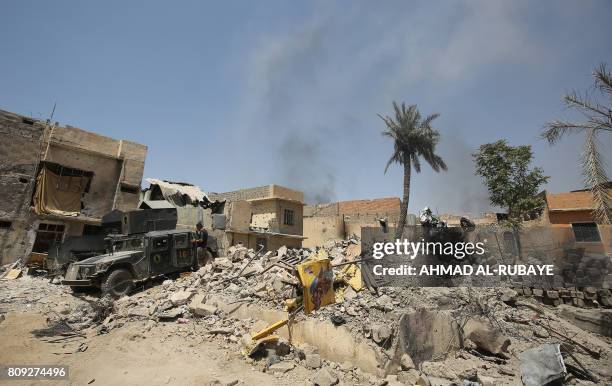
x,y
132,258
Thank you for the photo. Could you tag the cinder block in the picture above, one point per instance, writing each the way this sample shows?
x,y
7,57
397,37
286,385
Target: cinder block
x,y
527,291
552,294
538,292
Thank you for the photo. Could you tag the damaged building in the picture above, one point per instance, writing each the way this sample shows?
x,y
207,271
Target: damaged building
x,y
269,215
59,181
339,220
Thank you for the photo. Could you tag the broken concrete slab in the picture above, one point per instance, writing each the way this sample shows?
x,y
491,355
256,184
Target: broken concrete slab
x,y
223,263
325,377
381,333
196,300
485,337
312,361
598,321
542,365
205,309
424,333
406,362
180,297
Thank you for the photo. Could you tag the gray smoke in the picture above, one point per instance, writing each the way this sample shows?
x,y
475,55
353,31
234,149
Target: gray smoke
x,y
304,168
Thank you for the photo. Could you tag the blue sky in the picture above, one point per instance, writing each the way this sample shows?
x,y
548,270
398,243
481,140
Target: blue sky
x,y
242,93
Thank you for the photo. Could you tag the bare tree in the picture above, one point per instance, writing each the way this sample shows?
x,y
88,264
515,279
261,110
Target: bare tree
x,y
598,114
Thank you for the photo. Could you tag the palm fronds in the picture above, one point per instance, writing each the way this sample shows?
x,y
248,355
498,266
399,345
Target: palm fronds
x,y
598,119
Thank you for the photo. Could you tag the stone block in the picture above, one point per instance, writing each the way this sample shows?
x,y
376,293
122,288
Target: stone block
x,y
538,292
552,294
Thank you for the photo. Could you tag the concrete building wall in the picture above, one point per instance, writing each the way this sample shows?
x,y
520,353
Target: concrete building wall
x,y
320,229
297,228
103,185
21,141
239,216
264,215
286,193
272,242
342,219
375,206
25,142
254,211
243,194
266,191
320,210
570,216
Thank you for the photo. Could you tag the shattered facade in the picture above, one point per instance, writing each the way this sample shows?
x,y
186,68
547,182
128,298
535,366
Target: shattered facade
x,y
269,215
59,181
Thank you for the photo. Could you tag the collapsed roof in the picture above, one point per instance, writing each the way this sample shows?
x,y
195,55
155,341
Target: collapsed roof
x,y
178,194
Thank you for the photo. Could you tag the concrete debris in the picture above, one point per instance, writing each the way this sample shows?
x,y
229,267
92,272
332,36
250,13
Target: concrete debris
x,y
205,309
508,296
424,336
312,361
324,377
223,263
406,362
486,338
542,365
381,333
281,367
181,297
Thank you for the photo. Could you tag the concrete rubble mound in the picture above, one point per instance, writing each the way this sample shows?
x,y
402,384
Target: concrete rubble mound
x,y
388,336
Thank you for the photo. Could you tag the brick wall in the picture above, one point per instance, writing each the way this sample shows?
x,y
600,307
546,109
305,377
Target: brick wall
x,y
379,205
321,210
20,146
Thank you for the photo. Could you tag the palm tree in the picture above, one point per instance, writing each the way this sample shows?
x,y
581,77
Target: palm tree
x,y
598,120
413,138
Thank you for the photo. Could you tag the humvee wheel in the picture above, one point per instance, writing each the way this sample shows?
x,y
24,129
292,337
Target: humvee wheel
x,y
118,283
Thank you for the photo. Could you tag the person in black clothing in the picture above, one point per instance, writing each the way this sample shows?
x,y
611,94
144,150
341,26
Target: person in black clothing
x,y
199,242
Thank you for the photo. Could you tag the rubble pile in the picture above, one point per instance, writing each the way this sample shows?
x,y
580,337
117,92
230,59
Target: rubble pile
x,y
439,336
498,326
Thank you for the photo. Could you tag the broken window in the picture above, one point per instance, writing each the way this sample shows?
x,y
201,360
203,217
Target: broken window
x,y
288,217
59,189
5,224
47,235
128,188
586,232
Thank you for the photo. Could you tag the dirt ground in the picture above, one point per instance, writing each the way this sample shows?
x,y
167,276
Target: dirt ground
x,y
139,353
160,356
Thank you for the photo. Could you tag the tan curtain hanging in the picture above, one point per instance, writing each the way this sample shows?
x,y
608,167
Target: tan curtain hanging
x,y
56,194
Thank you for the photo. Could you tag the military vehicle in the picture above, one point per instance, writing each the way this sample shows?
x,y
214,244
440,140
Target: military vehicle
x,y
133,258
149,246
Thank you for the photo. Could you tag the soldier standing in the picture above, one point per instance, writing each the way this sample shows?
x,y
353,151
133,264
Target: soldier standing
x,y
199,242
